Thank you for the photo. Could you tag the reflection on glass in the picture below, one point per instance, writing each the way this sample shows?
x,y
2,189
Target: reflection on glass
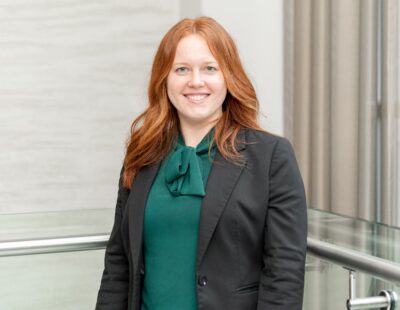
x,y
327,284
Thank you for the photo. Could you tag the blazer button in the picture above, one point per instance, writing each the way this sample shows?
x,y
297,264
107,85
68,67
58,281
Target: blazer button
x,y
202,280
141,271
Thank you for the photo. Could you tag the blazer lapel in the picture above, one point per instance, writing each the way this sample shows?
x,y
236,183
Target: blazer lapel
x,y
221,181
136,204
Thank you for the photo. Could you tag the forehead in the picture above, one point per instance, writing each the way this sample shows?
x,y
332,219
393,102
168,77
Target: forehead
x,y
193,48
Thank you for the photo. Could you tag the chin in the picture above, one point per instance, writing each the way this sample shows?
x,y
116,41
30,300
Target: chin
x,y
197,120
198,117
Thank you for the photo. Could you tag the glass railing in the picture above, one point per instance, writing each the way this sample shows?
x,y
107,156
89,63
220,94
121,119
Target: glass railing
x,y
53,281
65,272
327,283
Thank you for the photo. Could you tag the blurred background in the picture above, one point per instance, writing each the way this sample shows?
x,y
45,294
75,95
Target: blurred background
x,y
74,74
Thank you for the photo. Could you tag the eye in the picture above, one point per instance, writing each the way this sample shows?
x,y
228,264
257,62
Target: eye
x,y
181,70
211,68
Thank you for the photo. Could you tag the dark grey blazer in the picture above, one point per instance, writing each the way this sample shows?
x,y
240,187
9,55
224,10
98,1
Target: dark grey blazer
x,y
252,234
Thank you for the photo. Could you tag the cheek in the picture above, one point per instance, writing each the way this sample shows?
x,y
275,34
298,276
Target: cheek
x,y
171,90
220,86
174,87
222,90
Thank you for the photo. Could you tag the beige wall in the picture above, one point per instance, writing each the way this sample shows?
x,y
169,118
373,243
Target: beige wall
x,y
73,76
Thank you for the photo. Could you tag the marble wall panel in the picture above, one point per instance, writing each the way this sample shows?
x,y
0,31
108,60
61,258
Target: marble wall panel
x,y
73,75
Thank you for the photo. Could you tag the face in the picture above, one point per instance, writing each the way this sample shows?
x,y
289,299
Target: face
x,y
195,85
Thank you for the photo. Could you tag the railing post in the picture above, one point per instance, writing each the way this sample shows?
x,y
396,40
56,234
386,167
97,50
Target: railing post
x,y
385,301
352,284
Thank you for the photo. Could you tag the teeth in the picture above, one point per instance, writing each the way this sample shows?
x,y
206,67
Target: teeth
x,y
196,97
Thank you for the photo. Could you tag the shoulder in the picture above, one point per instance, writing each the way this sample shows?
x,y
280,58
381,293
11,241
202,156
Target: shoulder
x,y
274,151
265,140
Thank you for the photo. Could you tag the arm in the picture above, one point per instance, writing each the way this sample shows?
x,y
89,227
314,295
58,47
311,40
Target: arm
x,y
285,241
113,292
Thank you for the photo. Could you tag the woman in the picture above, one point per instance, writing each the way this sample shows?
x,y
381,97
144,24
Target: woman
x,y
211,211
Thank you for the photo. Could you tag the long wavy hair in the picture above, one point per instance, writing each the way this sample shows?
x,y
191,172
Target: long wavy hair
x,y
153,132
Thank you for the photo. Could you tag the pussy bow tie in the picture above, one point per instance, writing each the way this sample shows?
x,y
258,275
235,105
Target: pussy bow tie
x,y
183,171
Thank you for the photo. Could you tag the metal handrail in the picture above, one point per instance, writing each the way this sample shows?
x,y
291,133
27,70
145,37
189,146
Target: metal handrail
x,y
53,245
347,258
350,259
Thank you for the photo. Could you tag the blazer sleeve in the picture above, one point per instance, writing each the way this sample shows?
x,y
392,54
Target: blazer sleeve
x,y
282,279
113,292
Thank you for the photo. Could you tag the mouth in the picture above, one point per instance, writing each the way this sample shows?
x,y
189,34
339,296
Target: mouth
x,y
196,98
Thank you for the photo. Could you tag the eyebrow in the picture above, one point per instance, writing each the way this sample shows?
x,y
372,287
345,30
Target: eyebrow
x,y
185,63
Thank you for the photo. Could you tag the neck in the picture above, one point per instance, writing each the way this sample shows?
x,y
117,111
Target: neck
x,y
194,134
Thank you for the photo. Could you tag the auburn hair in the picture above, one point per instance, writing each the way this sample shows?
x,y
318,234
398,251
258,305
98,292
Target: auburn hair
x,y
154,131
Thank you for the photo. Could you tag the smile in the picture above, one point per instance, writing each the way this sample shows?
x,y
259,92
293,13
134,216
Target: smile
x,y
196,98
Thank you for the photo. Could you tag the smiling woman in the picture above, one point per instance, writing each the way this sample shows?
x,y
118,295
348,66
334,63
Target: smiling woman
x,y
196,87
211,210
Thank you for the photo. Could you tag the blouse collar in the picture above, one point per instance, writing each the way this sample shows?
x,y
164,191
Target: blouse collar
x,y
183,173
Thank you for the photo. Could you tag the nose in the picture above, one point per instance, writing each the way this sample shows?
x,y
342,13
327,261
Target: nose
x,y
196,80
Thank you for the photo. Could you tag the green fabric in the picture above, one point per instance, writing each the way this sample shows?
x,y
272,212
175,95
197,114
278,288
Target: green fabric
x,y
171,222
183,171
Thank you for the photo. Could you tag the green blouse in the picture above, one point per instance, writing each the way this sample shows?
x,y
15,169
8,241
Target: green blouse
x,y
171,222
